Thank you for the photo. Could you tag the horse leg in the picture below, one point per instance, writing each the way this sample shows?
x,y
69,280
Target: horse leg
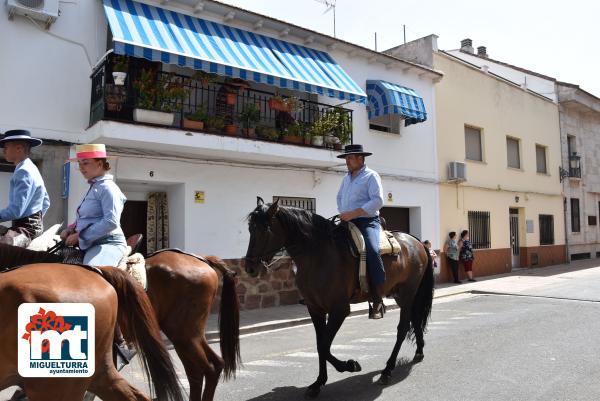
x,y
319,324
109,385
194,362
212,376
334,322
403,327
416,324
55,389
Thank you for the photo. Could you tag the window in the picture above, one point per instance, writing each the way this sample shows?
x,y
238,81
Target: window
x,y
592,220
575,215
386,123
512,151
540,158
309,204
473,149
571,145
479,229
546,229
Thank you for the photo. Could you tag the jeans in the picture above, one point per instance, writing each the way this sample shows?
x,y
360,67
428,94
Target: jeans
x,y
107,251
370,227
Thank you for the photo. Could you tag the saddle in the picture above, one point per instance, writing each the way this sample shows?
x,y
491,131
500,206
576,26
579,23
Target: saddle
x,y
388,245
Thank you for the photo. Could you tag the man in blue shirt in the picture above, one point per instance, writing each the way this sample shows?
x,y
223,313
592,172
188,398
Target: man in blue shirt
x,y
28,199
359,199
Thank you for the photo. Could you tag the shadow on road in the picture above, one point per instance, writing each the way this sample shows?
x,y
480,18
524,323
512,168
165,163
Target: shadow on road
x,y
357,387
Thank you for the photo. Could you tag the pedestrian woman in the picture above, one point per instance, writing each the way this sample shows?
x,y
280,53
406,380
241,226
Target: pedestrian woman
x,y
97,228
466,253
451,251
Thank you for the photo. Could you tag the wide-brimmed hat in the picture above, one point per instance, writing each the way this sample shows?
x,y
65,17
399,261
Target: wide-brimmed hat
x,y
354,149
20,135
91,151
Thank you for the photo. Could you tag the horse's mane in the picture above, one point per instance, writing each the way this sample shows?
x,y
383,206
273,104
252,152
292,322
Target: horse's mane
x,y
11,256
303,225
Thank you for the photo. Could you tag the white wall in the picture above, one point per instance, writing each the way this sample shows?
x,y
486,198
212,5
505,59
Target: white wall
x,y
4,185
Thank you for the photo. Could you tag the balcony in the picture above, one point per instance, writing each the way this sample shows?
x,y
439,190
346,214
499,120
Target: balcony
x,y
215,105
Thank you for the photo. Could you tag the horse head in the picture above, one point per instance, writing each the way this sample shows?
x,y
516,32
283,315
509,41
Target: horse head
x,y
267,236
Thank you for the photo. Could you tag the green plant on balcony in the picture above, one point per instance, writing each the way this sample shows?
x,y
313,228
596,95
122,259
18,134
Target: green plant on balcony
x,y
214,123
342,127
268,133
159,92
250,116
293,133
205,78
195,119
120,66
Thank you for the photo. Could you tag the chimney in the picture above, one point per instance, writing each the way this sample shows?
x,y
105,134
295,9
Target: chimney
x,y
482,51
466,45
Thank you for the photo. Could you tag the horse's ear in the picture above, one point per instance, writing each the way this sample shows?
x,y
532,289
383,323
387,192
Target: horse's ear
x,y
273,209
259,201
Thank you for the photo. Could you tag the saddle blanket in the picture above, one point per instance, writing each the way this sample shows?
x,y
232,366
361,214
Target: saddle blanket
x,y
388,245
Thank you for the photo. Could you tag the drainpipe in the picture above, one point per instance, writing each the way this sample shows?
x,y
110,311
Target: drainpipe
x,y
564,183
566,231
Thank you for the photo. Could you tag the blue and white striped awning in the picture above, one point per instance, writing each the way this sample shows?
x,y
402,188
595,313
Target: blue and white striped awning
x,y
141,30
387,98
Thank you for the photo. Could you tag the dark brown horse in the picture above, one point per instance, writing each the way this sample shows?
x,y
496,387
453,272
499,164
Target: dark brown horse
x,y
182,288
328,278
115,296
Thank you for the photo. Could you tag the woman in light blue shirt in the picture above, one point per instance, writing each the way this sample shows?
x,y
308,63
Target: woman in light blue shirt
x,y
97,229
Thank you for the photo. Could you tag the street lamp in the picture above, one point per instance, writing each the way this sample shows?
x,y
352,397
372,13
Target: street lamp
x,y
574,168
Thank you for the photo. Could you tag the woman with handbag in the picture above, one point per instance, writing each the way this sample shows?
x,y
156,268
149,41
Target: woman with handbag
x,y
97,229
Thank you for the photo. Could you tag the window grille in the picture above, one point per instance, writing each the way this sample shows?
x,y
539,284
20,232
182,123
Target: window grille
x,y
479,229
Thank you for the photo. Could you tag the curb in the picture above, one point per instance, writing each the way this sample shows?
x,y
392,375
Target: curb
x,y
213,336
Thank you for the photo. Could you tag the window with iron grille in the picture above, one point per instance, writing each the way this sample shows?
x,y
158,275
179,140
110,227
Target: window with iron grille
x,y
575,223
592,220
479,229
309,204
546,229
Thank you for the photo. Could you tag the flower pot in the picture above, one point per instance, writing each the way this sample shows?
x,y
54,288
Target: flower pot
x,y
337,146
230,129
293,139
317,140
250,132
191,124
231,98
119,77
277,105
307,140
153,117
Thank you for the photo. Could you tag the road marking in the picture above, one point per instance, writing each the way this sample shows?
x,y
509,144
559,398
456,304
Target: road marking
x,y
270,362
458,318
348,347
368,340
248,373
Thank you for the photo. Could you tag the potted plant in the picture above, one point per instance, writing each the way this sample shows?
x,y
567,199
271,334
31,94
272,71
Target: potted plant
x,y
214,123
158,97
249,116
276,103
114,102
195,120
205,78
230,128
320,128
268,133
341,126
293,134
291,104
119,69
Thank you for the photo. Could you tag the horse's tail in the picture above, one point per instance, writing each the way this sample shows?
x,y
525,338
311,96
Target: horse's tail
x,y
139,325
229,318
421,309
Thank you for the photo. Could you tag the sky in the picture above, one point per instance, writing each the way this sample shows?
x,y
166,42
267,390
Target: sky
x,y
560,39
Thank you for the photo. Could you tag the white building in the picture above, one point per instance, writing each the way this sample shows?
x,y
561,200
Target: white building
x,y
579,115
211,180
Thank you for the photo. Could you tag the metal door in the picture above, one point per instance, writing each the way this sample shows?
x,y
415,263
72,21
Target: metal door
x,y
514,237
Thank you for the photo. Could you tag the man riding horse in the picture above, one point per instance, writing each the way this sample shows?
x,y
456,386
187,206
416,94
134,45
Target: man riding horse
x,y
359,199
27,197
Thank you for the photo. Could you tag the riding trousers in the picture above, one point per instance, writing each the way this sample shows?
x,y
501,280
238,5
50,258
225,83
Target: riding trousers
x,y
106,251
24,230
370,227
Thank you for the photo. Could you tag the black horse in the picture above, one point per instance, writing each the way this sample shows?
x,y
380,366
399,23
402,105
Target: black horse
x,y
328,278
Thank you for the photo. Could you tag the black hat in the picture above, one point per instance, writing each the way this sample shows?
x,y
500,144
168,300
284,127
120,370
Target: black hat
x,y
20,135
353,150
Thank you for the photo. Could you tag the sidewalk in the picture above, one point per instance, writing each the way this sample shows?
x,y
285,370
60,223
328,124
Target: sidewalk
x,y
516,282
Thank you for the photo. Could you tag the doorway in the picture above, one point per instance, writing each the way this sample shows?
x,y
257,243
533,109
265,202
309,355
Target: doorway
x,y
514,237
396,218
134,221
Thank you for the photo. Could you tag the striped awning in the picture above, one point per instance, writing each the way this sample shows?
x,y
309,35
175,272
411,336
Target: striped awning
x,y
157,34
387,98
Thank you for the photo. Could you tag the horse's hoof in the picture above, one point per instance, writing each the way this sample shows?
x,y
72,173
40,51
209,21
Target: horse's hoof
x,y
353,366
418,358
385,378
312,392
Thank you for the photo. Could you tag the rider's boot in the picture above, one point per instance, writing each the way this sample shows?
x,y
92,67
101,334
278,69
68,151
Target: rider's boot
x,y
377,309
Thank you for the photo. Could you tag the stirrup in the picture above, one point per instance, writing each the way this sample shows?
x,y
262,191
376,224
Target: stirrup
x,y
123,355
377,310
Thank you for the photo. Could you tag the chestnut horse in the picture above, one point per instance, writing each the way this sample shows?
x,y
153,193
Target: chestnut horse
x,y
182,288
115,296
328,278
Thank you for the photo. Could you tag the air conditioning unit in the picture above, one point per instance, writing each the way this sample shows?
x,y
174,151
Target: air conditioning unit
x,y
41,10
457,171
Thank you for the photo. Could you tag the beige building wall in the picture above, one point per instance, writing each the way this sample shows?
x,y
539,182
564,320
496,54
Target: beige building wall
x,y
469,96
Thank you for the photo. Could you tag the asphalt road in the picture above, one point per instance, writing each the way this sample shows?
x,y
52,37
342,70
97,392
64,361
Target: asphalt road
x,y
479,347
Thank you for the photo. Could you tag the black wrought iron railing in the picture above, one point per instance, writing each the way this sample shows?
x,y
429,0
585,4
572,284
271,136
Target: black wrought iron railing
x,y
575,172
225,107
479,229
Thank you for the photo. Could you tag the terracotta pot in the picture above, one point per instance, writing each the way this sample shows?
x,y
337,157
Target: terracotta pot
x,y
113,105
307,140
230,129
250,132
293,139
231,98
191,124
337,146
277,105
